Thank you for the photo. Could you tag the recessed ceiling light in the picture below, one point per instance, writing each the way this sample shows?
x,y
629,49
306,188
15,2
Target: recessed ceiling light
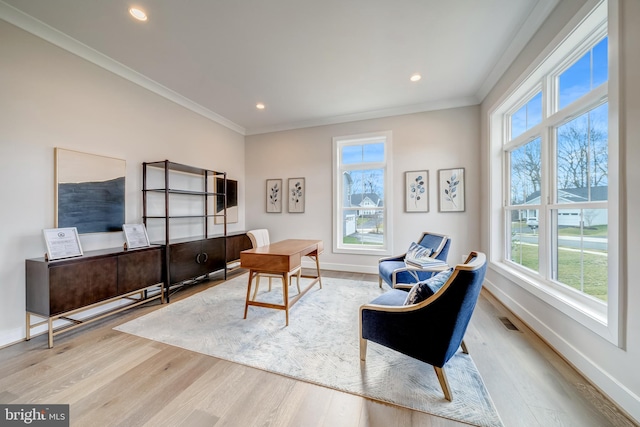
x,y
138,14
260,106
415,77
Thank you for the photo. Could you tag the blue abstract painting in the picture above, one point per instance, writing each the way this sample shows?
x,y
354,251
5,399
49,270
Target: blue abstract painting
x,y
90,192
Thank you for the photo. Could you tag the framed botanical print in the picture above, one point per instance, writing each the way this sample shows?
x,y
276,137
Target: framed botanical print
x,y
416,198
274,196
451,190
297,194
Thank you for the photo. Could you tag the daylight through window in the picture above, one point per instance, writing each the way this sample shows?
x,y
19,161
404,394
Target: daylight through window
x,y
361,183
555,149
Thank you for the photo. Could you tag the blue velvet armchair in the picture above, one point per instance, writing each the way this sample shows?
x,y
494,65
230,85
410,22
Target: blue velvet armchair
x,y
432,330
395,273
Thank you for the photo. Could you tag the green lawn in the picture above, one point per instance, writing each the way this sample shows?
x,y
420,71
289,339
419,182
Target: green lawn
x,y
571,265
595,231
350,240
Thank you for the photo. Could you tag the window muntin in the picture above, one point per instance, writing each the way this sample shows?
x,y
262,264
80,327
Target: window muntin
x,y
587,73
557,173
527,116
598,312
583,157
525,173
363,153
362,174
580,242
523,244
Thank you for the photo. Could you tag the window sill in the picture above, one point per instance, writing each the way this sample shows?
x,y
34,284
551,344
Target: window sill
x,y
362,251
593,315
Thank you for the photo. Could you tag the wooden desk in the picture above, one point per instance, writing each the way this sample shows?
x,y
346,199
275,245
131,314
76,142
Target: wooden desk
x,y
280,258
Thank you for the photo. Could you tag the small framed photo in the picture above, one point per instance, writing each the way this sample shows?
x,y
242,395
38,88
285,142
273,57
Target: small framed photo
x,y
451,190
135,236
62,243
416,198
297,194
274,196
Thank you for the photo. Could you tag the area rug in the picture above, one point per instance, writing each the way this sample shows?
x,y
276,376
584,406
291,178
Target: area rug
x,y
320,346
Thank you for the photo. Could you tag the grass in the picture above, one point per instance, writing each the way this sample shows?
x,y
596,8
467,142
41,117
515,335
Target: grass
x,y
350,240
574,267
595,231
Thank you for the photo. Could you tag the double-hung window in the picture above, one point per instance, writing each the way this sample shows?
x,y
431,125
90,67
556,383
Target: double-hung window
x,y
361,220
557,215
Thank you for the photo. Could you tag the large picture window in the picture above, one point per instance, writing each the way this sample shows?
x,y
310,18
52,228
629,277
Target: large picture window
x,y
554,132
361,185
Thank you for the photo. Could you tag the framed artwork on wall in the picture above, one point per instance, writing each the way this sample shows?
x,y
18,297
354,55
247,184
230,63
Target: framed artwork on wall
x,y
89,191
297,194
274,196
416,191
451,190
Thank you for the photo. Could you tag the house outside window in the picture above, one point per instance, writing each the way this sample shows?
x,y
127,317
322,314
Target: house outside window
x,y
558,218
361,183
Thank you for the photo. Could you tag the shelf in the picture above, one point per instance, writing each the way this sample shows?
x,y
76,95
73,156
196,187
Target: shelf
x,y
183,216
182,168
200,255
185,192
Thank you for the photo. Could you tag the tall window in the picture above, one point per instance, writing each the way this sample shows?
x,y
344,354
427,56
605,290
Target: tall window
x,y
555,149
361,185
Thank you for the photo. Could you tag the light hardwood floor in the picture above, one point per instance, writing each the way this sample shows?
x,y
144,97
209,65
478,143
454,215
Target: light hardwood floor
x,y
111,378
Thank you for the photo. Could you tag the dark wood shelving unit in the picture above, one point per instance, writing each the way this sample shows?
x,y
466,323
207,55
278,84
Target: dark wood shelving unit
x,y
193,258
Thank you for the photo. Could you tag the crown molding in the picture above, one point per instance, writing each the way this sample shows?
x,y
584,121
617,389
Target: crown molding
x,y
368,115
530,25
40,29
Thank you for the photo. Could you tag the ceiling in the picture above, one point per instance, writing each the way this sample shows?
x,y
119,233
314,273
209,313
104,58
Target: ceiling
x,y
311,62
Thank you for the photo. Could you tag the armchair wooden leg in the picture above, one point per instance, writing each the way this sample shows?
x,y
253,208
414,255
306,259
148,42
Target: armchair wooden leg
x,y
442,378
465,350
380,282
363,349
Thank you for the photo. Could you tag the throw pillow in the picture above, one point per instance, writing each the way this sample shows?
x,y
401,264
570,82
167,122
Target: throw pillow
x,y
425,288
417,252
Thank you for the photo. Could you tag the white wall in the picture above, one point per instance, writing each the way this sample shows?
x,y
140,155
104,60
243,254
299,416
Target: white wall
x,y
614,370
51,98
432,140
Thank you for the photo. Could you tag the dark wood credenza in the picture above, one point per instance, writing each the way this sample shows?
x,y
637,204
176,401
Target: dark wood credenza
x,y
59,289
56,290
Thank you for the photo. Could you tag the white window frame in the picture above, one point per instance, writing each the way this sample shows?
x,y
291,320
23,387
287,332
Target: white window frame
x,y
339,169
594,19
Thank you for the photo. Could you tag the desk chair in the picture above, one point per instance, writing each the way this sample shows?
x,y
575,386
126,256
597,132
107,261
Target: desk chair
x,y
260,237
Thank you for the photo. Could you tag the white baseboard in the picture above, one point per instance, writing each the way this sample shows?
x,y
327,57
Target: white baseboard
x,y
625,399
12,336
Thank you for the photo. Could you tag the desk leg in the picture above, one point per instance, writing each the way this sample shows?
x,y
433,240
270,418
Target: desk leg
x,y
317,258
246,303
285,292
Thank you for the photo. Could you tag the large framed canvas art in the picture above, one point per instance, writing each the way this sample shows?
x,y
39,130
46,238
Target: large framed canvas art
x,y
89,192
